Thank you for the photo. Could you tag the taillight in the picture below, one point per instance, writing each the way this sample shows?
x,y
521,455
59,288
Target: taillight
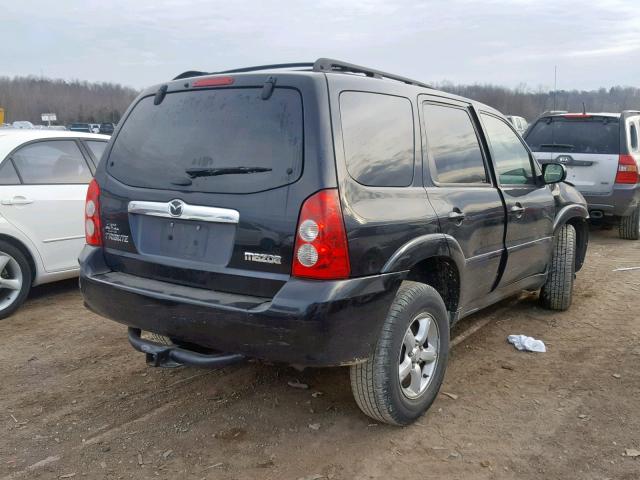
x,y
627,170
321,250
92,215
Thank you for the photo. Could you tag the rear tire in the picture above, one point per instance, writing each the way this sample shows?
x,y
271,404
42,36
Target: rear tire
x,y
15,278
629,226
417,312
557,292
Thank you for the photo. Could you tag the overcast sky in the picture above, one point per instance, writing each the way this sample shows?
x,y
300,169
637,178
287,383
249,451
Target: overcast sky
x,y
143,42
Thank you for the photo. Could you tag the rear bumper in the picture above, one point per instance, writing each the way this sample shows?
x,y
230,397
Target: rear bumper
x,y
317,323
621,202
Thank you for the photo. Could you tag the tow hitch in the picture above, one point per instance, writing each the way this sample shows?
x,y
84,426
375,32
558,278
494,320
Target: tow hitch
x,y
174,356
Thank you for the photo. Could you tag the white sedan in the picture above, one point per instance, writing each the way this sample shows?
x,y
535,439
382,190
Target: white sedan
x,y
43,184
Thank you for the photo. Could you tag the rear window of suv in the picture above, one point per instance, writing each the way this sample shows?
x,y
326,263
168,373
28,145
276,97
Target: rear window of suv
x,y
594,134
215,141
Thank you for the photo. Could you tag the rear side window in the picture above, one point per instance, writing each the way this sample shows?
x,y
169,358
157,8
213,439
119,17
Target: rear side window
x,y
453,145
599,135
97,148
52,162
633,137
8,175
377,132
216,141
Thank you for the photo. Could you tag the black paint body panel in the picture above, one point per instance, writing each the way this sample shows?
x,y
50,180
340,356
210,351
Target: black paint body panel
x,y
259,310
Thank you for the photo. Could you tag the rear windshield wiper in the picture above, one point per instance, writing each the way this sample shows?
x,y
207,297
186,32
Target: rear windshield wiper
x,y
214,172
556,145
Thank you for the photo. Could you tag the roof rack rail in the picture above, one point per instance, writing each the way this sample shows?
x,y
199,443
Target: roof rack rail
x,y
257,68
275,66
331,65
324,65
189,74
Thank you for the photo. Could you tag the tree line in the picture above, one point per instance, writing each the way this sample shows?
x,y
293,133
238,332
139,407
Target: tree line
x,y
26,98
529,104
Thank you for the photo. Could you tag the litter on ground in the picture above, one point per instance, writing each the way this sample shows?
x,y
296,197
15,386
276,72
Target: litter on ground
x,y
528,344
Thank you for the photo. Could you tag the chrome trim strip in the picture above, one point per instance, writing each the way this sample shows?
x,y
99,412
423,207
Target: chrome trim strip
x,y
62,239
484,256
189,212
528,244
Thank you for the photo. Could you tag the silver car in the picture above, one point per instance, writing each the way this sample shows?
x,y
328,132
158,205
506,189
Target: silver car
x,y
602,154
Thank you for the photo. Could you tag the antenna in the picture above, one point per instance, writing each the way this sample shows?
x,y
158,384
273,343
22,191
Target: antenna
x,y
555,86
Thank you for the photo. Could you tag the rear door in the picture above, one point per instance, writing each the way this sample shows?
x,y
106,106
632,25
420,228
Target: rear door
x,y
530,205
48,201
588,145
204,187
459,186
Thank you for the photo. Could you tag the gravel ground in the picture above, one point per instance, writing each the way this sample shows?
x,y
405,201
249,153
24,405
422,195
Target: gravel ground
x,y
76,401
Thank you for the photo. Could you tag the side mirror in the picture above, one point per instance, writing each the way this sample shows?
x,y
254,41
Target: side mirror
x,y
553,173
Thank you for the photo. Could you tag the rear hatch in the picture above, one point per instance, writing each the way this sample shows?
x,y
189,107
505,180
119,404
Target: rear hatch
x,y
588,145
203,186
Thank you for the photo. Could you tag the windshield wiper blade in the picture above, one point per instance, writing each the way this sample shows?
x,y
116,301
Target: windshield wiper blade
x,y
214,172
558,145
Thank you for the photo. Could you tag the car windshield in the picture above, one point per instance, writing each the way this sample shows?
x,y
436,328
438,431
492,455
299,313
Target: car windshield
x,y
591,134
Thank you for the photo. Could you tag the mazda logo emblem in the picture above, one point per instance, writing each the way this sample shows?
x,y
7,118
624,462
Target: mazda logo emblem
x,y
176,207
564,159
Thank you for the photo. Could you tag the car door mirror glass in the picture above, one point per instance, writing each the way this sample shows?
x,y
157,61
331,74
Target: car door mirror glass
x,y
553,173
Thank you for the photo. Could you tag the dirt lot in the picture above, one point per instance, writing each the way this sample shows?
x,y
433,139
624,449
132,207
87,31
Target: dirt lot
x,y
76,401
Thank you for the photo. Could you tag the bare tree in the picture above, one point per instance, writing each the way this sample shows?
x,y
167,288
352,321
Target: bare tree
x,y
530,103
26,98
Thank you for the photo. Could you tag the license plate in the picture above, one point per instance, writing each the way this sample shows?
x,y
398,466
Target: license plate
x,y
183,239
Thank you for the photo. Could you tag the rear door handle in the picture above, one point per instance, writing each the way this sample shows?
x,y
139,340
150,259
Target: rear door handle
x,y
517,210
456,215
17,200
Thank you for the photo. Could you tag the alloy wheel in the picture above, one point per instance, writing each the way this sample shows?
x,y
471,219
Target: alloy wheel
x,y
10,280
418,355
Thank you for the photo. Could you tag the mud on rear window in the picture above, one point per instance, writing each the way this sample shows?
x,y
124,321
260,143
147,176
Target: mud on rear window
x,y
580,135
216,141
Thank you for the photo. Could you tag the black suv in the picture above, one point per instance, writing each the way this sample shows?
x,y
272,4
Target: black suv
x,y
321,214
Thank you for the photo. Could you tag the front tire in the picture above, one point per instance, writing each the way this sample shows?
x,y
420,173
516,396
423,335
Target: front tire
x,y
15,278
557,292
629,226
401,379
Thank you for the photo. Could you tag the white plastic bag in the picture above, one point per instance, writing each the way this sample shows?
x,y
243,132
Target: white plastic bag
x,y
529,344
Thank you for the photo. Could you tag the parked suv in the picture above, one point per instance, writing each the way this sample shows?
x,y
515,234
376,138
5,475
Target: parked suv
x,y
324,216
602,155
